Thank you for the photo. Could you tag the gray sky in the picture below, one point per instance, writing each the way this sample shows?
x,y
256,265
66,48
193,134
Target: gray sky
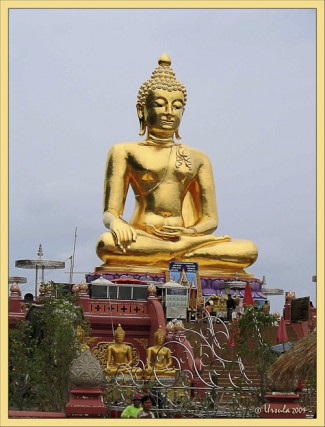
x,y
250,76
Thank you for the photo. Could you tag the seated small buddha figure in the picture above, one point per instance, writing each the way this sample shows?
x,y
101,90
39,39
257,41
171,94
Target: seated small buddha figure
x,y
159,360
119,355
175,211
80,333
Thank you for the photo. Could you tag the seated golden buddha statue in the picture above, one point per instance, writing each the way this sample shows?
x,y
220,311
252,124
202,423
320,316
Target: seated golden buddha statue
x,y
119,355
175,205
159,360
81,336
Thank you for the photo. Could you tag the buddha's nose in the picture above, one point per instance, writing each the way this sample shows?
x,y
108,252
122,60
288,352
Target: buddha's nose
x,y
169,109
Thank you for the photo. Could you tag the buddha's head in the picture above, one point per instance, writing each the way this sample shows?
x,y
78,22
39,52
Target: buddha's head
x,y
159,336
80,333
161,101
119,334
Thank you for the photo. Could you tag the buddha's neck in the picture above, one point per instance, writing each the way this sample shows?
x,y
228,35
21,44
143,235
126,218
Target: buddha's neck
x,y
163,139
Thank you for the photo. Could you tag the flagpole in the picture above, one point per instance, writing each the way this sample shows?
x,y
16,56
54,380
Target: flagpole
x,y
72,257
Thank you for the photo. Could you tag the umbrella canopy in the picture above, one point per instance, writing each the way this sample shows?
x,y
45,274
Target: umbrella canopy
x,y
101,281
281,348
208,291
172,284
128,281
248,297
281,336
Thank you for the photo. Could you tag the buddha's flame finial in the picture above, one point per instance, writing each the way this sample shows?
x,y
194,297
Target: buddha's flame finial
x,y
165,60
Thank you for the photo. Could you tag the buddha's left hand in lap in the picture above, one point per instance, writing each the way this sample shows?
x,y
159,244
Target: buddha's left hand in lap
x,y
180,231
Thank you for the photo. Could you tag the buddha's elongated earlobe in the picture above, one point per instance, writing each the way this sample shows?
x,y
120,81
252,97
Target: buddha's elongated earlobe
x,y
143,127
177,135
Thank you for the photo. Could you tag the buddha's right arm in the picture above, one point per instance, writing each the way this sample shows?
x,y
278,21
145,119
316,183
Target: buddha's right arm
x,y
116,183
149,356
108,361
115,190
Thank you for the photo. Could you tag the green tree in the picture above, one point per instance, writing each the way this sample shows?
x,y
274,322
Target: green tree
x,y
251,335
20,349
40,353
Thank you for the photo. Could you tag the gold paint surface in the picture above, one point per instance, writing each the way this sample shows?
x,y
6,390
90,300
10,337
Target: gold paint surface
x,y
175,211
159,360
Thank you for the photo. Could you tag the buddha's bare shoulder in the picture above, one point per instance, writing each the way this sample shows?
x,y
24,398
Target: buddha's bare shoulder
x,y
124,146
127,147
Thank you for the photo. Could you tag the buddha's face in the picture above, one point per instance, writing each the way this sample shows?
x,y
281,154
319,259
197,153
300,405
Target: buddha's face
x,y
160,339
119,338
163,110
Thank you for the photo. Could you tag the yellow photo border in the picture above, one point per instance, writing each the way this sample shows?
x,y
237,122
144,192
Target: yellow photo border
x,y
5,6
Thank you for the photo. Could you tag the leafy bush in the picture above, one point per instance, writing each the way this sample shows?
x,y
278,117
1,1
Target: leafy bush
x,y
40,353
251,341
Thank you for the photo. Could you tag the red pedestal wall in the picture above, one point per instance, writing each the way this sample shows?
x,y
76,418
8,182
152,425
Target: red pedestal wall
x,y
85,402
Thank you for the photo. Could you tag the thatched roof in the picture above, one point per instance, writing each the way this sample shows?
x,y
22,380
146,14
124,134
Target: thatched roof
x,y
299,362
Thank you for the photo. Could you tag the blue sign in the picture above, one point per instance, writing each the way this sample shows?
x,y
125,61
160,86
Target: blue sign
x,y
190,267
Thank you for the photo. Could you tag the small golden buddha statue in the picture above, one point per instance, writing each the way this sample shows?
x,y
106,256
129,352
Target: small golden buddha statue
x,y
119,355
159,360
80,333
175,205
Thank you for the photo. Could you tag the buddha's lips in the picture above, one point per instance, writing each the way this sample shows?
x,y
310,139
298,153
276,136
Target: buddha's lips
x,y
167,122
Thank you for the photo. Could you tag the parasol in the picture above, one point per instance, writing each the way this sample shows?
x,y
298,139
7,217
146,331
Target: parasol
x,y
281,336
248,297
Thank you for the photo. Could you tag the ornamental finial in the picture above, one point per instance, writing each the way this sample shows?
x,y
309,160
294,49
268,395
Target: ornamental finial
x,y
165,60
40,251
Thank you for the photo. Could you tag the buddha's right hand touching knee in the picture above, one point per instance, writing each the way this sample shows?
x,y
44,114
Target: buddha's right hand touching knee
x,y
123,233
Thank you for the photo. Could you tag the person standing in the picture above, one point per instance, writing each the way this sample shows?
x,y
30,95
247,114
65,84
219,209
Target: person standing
x,y
132,411
208,307
146,406
230,307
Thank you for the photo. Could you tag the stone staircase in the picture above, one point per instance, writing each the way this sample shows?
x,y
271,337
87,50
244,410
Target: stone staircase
x,y
232,370
226,394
